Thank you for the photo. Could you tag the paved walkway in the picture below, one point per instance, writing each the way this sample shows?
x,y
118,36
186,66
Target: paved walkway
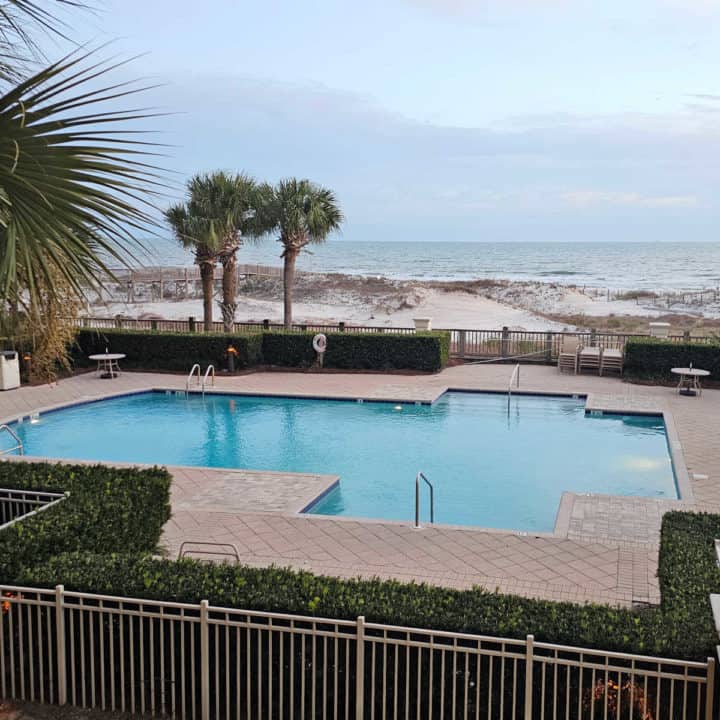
x,y
604,548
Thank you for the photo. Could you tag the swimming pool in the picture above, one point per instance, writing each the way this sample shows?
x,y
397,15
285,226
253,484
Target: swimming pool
x,y
489,467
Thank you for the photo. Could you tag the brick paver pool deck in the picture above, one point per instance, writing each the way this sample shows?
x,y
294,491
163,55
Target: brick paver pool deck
x,y
604,548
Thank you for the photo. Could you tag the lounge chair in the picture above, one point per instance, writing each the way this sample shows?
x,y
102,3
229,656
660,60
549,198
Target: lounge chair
x,y
612,359
568,355
589,358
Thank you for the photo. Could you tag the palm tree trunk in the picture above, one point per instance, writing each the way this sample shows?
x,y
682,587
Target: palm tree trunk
x,y
207,275
290,256
229,304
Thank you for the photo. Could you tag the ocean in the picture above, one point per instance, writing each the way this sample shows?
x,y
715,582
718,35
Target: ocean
x,y
613,265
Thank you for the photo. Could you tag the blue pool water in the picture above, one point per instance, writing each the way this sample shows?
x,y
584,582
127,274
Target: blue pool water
x,y
489,467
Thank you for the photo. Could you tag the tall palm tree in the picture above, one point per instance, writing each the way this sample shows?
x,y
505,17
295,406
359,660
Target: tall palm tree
x,y
222,210
191,232
302,213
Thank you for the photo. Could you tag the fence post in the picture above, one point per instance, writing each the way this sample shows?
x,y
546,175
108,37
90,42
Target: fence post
x,y
710,689
360,669
204,661
548,346
504,341
461,343
593,337
153,324
60,644
528,677
191,324
686,335
266,324
341,326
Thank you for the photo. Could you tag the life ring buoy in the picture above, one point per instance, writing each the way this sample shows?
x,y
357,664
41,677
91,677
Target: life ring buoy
x,y
319,343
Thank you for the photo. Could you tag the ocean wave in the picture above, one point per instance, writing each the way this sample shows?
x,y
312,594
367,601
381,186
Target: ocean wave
x,y
552,273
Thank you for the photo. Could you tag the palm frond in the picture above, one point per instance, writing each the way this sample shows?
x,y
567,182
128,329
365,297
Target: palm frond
x,y
72,197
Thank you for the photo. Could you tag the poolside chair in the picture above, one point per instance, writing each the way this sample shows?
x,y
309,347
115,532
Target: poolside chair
x,y
589,358
612,359
568,355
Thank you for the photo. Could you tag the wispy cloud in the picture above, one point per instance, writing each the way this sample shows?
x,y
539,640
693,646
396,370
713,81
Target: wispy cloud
x,y
600,198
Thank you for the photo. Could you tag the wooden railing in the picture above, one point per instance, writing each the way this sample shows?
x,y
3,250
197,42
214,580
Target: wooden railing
x,y
516,345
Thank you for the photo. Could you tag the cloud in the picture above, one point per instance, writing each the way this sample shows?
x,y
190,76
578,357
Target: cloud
x,y
399,178
599,198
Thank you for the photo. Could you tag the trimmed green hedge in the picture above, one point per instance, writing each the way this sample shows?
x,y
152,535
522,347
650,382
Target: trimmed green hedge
x,y
681,627
688,573
154,350
653,359
108,510
426,351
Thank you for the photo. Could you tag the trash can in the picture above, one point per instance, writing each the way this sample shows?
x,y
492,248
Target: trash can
x,y
9,370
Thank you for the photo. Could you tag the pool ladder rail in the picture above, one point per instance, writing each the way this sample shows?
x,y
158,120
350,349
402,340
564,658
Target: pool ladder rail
x,y
18,442
201,382
421,476
198,547
514,379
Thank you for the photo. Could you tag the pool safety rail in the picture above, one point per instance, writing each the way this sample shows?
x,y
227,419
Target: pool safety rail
x,y
202,662
16,505
514,380
209,372
19,447
195,367
420,476
214,549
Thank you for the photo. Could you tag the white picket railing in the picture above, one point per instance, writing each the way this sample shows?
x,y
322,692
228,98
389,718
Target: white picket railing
x,y
197,661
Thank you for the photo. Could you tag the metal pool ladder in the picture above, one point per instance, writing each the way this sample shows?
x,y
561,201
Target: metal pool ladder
x,y
190,377
515,377
210,371
418,477
198,547
19,444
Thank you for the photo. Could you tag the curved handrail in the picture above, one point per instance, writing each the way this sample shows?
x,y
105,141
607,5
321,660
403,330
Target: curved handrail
x,y
418,477
220,549
190,375
207,372
514,377
15,437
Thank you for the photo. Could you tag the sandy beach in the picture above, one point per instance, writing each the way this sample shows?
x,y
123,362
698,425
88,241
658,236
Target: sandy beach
x,y
362,300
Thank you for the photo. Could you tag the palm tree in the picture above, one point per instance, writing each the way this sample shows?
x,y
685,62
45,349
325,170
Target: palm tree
x,y
191,232
75,182
302,213
222,209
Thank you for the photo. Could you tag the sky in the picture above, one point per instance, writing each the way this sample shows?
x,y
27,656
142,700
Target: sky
x,y
444,119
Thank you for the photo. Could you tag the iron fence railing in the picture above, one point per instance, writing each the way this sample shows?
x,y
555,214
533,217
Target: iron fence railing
x,y
527,346
191,661
15,505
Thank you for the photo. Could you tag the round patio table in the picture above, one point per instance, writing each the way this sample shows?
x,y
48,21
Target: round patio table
x,y
108,364
689,383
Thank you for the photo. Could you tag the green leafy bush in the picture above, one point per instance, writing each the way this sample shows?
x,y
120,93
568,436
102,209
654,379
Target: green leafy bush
x,y
688,573
288,349
154,350
425,351
108,510
652,359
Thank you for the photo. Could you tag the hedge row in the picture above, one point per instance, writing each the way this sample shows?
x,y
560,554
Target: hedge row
x,y
108,510
152,350
653,359
681,627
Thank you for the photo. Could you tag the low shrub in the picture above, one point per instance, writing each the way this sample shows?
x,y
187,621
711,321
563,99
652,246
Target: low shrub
x,y
652,359
383,601
288,349
154,350
108,510
425,351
